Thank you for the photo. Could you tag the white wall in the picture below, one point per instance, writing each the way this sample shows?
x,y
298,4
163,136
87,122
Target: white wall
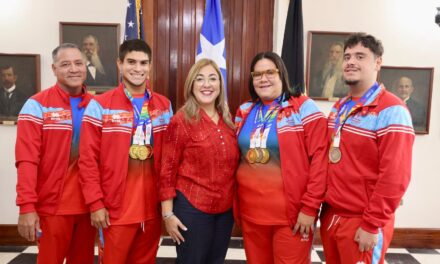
x,y
406,28
29,26
410,38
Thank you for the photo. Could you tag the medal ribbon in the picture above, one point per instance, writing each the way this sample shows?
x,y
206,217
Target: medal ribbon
x,y
348,108
142,120
263,124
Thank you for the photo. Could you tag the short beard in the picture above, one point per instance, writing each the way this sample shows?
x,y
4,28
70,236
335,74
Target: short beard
x,y
351,82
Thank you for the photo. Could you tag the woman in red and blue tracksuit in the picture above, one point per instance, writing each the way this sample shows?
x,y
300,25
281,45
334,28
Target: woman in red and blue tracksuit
x,y
282,172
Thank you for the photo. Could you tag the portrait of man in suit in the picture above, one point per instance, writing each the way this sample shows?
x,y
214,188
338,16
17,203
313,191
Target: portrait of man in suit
x,y
329,81
413,85
12,97
404,89
99,44
324,65
97,75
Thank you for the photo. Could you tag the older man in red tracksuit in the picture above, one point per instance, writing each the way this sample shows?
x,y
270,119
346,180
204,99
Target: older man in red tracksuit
x,y
52,206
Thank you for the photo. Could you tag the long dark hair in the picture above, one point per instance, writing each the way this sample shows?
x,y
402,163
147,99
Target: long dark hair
x,y
288,91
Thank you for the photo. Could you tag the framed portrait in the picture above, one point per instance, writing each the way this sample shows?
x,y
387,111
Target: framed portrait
x,y
414,86
325,50
20,79
99,43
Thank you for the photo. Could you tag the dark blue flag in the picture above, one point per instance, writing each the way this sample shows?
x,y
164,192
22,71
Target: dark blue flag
x,y
134,26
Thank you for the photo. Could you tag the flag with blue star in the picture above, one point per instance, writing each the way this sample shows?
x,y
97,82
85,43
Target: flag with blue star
x,y
134,26
212,36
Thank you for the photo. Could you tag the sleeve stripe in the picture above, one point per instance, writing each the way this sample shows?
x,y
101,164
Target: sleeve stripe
x,y
395,128
48,126
160,128
31,118
312,117
92,121
359,132
290,129
116,129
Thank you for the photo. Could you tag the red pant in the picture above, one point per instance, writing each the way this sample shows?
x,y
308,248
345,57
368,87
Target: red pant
x,y
131,244
66,236
274,244
337,234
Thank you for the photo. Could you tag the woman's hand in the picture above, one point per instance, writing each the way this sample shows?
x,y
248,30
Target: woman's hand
x,y
305,224
172,225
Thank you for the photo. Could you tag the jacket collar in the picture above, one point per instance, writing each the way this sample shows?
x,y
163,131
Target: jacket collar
x,y
85,96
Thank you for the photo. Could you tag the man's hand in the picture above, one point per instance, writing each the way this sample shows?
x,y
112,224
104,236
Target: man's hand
x,y
28,225
366,240
100,218
305,225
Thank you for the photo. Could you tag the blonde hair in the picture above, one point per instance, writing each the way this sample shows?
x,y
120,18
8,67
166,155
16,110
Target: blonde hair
x,y
191,107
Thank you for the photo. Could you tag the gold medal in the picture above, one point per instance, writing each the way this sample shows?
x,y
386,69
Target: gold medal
x,y
266,155
142,152
334,155
259,155
150,151
133,151
250,156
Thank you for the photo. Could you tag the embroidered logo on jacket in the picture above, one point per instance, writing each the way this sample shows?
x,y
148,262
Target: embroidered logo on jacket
x,y
57,116
117,118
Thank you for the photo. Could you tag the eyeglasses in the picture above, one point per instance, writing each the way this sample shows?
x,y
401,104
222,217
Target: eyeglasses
x,y
202,81
270,74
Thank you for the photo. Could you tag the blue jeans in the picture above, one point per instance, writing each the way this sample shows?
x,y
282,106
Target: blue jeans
x,y
207,237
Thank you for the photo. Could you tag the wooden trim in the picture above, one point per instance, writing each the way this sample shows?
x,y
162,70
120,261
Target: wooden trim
x,y
403,237
9,236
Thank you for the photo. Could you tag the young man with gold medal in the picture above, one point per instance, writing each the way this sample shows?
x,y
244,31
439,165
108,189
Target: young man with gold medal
x,y
119,172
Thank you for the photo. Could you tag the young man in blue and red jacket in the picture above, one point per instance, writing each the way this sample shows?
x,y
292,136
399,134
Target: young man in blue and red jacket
x,y
52,207
120,154
369,160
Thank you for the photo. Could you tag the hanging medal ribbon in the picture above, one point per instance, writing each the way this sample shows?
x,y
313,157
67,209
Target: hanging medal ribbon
x,y
258,152
348,108
141,145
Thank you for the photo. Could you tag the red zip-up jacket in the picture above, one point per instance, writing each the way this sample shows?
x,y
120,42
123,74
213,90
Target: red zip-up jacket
x,y
42,149
302,132
105,143
375,169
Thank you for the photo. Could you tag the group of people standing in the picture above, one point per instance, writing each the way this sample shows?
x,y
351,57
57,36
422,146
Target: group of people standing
x,y
275,170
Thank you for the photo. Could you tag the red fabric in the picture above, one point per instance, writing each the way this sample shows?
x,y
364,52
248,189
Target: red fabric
x,y
303,151
71,237
141,186
337,234
131,243
199,160
42,150
255,185
105,143
265,244
375,168
72,200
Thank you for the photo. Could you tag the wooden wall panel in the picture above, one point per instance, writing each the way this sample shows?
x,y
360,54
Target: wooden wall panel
x,y
173,27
